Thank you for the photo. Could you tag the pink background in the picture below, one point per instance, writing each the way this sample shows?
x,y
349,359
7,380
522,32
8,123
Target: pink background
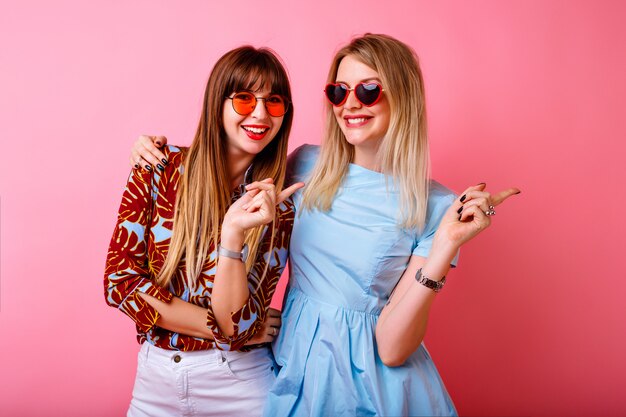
x,y
525,93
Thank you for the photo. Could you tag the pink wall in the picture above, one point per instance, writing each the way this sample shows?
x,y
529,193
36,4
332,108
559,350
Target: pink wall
x,y
526,93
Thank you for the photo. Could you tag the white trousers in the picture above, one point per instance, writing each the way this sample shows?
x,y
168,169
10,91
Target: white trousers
x,y
202,383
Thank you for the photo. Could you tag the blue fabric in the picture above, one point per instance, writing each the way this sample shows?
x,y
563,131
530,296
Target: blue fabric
x,y
344,263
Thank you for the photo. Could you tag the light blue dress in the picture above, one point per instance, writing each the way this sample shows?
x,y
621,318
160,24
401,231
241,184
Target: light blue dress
x,y
343,266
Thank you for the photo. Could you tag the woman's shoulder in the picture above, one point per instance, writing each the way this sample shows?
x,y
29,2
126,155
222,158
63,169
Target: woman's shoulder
x,y
438,192
171,173
440,198
301,161
305,153
175,155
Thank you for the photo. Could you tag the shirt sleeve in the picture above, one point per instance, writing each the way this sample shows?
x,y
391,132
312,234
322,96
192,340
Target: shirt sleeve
x,y
127,269
438,204
248,319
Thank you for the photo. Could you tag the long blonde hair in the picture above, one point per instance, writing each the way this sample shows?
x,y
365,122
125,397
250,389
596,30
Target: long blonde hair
x,y
403,152
204,193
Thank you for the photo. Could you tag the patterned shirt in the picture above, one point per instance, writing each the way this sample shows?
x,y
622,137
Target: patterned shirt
x,y
140,244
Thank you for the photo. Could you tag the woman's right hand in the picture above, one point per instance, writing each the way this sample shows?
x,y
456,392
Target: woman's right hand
x,y
255,208
145,153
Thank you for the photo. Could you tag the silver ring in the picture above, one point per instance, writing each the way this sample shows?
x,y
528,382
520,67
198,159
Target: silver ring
x,y
274,332
490,212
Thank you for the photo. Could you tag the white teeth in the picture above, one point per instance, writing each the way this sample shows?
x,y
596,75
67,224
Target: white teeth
x,y
257,130
355,120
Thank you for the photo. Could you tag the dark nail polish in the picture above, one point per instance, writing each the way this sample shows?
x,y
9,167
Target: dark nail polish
x,y
463,198
459,217
136,166
460,210
519,192
164,161
481,183
160,167
148,167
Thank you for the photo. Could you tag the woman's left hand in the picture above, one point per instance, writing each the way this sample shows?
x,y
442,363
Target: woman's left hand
x,y
269,329
469,215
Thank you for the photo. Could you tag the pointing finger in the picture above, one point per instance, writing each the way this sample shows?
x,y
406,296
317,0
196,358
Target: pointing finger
x,y
503,195
287,192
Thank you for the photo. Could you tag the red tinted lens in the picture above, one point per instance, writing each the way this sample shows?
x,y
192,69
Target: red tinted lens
x,y
368,93
276,105
244,103
336,93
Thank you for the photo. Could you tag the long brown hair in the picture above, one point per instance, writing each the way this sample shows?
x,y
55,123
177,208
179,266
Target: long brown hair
x,y
204,193
403,153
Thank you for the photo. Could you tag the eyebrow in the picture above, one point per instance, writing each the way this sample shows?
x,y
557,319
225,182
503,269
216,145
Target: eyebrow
x,y
255,92
364,80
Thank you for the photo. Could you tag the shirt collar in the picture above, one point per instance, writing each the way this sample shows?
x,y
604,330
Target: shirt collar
x,y
241,188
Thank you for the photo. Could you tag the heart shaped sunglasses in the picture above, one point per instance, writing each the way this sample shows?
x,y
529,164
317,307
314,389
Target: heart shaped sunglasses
x,y
367,94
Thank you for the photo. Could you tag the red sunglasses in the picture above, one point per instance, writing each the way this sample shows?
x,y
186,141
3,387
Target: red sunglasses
x,y
367,94
245,102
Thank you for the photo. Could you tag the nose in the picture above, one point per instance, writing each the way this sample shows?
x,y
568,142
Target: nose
x,y
351,101
260,112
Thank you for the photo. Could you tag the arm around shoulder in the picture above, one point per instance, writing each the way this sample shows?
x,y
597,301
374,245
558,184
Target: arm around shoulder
x,y
127,272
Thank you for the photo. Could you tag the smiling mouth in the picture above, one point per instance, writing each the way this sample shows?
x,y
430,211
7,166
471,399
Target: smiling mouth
x,y
356,121
255,132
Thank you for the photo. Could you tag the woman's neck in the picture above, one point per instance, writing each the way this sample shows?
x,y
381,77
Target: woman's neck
x,y
367,158
237,166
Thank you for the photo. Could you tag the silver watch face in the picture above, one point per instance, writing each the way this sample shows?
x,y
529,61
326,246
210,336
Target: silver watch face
x,y
244,253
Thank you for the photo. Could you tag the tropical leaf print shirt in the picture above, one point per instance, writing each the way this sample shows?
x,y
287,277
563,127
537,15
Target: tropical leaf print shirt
x,y
138,249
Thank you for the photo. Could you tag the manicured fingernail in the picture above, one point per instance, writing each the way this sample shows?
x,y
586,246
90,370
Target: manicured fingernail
x,y
148,167
160,167
519,192
136,165
460,210
157,143
459,217
482,183
463,198
164,161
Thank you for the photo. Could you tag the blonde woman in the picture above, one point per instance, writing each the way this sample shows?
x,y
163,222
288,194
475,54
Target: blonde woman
x,y
372,242
196,271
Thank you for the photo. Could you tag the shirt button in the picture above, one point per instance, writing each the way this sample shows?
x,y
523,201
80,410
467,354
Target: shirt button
x,y
177,358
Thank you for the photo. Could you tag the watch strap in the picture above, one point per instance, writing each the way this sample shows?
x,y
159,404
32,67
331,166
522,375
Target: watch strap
x,y
242,256
436,286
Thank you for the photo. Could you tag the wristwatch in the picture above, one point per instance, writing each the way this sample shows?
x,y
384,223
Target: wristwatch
x,y
436,286
242,256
